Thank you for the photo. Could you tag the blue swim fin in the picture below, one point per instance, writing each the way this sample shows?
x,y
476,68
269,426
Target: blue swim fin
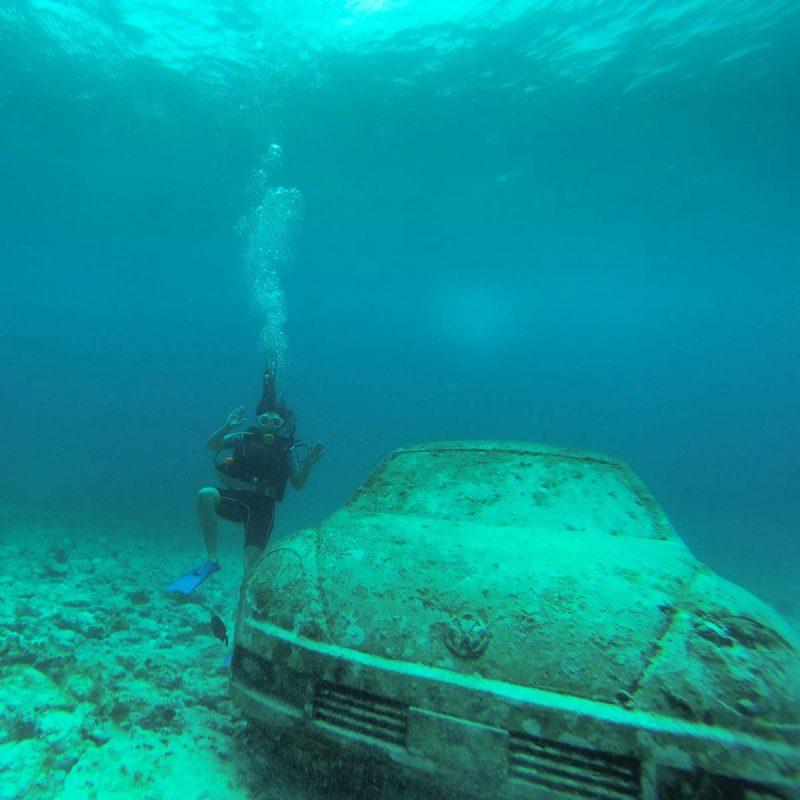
x,y
191,580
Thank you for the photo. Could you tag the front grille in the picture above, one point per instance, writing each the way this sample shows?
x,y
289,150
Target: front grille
x,y
252,670
576,771
360,712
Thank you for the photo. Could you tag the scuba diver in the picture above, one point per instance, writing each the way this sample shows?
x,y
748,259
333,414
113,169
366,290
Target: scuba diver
x,y
254,466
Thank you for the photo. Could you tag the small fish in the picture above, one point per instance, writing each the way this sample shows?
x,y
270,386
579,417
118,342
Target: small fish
x,y
218,629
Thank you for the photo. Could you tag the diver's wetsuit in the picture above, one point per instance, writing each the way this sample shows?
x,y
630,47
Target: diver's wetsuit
x,y
255,476
256,511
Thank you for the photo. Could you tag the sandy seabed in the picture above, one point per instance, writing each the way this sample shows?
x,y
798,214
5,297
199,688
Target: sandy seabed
x,y
109,687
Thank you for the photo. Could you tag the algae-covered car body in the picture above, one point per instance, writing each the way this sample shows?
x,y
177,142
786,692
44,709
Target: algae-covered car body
x,y
520,621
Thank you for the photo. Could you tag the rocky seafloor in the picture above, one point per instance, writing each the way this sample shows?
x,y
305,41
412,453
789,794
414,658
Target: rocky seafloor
x,y
111,688
108,686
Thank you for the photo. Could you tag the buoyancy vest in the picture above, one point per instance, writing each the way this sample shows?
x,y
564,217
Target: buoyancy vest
x,y
262,465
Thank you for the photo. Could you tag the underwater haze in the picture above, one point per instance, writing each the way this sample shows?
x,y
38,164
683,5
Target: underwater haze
x,y
572,223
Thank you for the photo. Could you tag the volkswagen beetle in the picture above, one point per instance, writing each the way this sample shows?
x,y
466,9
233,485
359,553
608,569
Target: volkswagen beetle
x,y
518,621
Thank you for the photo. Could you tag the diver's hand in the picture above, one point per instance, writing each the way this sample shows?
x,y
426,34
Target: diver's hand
x,y
315,454
235,418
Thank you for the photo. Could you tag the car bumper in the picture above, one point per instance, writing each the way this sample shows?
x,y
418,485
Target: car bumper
x,y
500,740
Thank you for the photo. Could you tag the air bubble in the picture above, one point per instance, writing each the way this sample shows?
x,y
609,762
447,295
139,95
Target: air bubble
x,y
268,230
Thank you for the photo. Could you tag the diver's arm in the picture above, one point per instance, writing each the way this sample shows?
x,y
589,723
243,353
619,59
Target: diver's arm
x,y
235,418
298,479
214,442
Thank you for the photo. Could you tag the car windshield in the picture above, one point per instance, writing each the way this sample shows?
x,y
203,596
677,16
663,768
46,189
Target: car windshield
x,y
544,490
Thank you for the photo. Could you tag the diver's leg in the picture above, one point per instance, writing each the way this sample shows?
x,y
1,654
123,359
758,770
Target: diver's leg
x,y
208,501
251,556
257,530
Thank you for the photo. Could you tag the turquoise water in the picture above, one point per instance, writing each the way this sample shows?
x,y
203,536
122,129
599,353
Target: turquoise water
x,y
573,223
566,222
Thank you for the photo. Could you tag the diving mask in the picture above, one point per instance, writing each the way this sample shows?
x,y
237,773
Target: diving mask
x,y
270,422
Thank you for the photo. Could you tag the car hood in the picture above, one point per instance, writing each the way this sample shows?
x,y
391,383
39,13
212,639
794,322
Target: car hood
x,y
639,624
630,618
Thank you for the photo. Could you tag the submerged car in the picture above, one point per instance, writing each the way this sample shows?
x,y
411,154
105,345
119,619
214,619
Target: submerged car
x,y
518,621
